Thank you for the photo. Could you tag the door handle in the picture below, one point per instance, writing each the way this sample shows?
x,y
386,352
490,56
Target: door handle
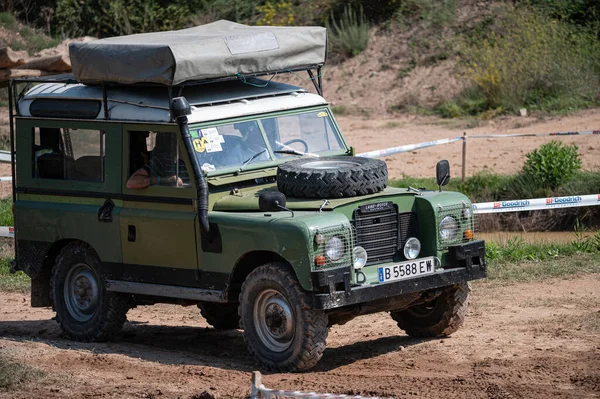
x,y
131,233
105,211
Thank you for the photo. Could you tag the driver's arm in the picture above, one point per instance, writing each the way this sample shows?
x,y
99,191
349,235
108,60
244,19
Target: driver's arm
x,y
139,179
142,179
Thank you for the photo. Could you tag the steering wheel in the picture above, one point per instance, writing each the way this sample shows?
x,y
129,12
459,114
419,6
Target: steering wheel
x,y
297,141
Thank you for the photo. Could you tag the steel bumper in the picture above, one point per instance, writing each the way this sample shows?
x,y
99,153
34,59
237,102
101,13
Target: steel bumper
x,y
470,258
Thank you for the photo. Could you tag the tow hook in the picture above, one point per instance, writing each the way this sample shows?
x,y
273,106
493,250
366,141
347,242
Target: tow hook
x,y
13,266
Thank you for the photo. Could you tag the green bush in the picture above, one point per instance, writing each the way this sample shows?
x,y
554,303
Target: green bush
x,y
534,61
121,17
552,164
350,34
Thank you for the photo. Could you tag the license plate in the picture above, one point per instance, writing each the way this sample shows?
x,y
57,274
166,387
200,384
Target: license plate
x,y
408,269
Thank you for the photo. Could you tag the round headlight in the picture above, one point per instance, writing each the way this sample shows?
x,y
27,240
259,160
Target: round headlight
x,y
334,248
467,213
359,257
448,228
412,248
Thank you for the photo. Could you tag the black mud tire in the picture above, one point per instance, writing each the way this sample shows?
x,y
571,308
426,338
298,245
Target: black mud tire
x,y
276,282
438,318
222,316
77,262
332,177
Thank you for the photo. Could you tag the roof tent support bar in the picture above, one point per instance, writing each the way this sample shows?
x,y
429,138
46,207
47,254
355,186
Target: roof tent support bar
x,y
105,101
14,93
11,121
320,78
312,78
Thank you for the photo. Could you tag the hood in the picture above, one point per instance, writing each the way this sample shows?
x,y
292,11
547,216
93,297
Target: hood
x,y
247,201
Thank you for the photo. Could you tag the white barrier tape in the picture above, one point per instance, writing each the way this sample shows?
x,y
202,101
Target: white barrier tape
x,y
578,133
537,204
5,156
267,393
407,148
7,231
258,391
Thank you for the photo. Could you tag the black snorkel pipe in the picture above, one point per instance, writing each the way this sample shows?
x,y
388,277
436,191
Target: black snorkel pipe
x,y
180,109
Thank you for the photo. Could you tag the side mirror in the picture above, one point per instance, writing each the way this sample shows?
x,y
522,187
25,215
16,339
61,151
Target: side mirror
x,y
442,173
271,201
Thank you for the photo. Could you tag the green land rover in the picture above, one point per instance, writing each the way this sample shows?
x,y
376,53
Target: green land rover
x,y
233,193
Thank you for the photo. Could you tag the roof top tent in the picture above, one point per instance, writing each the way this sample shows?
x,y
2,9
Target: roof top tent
x,y
218,52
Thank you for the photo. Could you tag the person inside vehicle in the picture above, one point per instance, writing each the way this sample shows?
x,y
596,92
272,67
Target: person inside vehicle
x,y
252,143
163,168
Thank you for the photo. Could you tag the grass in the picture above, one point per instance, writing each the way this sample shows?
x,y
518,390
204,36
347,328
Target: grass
x,y
518,260
18,282
561,266
6,215
13,374
25,38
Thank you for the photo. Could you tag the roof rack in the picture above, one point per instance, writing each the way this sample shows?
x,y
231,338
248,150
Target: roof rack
x,y
173,91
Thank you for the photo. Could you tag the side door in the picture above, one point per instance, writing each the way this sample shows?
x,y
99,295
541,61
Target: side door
x,y
157,222
68,187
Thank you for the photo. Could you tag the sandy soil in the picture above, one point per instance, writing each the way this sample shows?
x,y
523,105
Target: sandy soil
x,y
535,340
498,155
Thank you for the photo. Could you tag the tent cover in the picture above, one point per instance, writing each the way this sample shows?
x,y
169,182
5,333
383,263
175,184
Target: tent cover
x,y
217,50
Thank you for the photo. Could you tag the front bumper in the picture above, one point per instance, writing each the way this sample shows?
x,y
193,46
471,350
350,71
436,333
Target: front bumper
x,y
469,257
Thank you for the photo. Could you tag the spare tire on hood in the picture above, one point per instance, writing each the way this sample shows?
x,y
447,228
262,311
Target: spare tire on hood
x,y
332,177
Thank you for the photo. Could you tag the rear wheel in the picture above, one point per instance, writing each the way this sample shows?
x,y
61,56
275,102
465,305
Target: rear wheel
x,y
440,317
222,316
84,309
281,329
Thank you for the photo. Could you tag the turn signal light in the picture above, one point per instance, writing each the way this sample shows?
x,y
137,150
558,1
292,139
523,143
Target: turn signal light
x,y
320,260
468,234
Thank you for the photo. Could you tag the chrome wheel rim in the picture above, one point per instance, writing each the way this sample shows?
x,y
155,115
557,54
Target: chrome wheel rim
x,y
274,320
81,293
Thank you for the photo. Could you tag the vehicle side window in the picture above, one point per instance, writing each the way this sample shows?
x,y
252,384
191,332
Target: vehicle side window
x,y
157,153
68,154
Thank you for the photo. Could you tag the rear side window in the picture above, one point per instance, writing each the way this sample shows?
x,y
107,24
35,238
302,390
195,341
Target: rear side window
x,y
68,154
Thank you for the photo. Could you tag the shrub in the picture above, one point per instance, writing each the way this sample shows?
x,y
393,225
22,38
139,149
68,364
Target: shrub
x,y
350,35
279,13
536,62
552,164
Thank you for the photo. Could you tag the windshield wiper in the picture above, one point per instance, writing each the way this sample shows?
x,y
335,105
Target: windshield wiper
x,y
252,158
291,152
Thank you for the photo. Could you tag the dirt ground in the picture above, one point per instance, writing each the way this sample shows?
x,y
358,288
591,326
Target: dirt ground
x,y
498,155
534,340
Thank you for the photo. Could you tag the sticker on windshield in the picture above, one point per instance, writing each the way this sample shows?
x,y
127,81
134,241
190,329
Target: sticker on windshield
x,y
208,167
195,133
200,144
212,133
213,147
322,114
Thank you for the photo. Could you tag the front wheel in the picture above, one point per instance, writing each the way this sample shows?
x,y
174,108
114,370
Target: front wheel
x,y
84,308
281,329
440,317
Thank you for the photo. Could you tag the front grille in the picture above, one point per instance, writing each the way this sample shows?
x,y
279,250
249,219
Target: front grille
x,y
381,232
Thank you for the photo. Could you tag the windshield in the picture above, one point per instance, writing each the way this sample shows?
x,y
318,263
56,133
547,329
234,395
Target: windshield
x,y
241,144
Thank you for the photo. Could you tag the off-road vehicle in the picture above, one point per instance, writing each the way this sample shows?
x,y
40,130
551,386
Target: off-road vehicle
x,y
165,170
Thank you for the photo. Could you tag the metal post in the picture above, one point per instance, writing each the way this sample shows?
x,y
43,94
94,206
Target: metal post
x,y
464,156
256,384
